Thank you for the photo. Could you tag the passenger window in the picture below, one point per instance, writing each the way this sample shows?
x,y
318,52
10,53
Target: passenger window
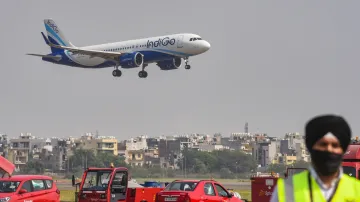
x,y
27,186
209,189
49,184
221,191
38,185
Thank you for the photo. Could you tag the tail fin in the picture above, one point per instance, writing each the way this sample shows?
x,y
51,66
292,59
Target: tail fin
x,y
55,35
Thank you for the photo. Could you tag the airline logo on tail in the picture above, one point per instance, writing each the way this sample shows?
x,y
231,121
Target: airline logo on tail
x,y
53,26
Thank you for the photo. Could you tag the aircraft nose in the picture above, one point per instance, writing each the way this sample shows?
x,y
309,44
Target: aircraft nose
x,y
206,45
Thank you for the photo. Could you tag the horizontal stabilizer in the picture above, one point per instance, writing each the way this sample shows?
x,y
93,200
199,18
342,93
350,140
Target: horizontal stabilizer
x,y
54,57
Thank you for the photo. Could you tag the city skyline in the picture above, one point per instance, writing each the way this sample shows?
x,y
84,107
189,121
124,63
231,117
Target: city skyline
x,y
273,65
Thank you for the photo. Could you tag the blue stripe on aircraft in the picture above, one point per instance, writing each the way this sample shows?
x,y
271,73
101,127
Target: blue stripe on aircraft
x,y
54,34
150,56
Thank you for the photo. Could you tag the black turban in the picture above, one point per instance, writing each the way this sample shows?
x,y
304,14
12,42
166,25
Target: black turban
x,y
319,126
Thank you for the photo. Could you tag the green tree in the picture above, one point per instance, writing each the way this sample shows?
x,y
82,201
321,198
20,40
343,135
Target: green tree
x,y
105,159
300,164
225,173
201,162
277,168
34,167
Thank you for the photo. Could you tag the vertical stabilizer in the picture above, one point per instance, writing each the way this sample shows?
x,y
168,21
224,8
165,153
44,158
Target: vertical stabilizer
x,y
55,35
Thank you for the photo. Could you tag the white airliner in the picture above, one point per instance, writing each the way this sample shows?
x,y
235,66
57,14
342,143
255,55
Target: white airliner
x,y
166,51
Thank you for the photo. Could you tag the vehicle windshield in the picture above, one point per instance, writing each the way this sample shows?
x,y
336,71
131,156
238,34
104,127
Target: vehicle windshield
x,y
97,180
350,171
181,186
8,186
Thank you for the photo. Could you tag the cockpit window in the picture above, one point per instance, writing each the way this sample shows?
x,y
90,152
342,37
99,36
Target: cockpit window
x,y
194,39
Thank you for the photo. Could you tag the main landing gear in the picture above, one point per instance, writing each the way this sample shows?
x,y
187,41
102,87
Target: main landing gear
x,y
187,66
116,72
143,73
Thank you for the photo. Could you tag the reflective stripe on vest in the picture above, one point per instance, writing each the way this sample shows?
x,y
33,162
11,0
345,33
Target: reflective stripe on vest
x,y
296,189
285,190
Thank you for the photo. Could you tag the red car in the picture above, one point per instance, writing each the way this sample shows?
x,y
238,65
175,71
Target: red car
x,y
25,188
195,191
28,188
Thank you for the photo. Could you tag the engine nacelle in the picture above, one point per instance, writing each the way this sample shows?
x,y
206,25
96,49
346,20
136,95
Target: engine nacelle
x,y
131,60
170,64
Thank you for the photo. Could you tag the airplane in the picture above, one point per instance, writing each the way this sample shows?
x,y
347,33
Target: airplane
x,y
166,51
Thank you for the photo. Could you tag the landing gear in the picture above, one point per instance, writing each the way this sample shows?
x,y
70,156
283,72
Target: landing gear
x,y
187,66
116,72
143,73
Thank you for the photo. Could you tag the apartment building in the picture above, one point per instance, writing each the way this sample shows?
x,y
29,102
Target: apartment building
x,y
4,145
285,159
264,153
99,144
20,149
138,143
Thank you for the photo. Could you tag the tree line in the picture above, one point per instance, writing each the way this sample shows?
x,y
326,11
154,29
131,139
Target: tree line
x,y
217,164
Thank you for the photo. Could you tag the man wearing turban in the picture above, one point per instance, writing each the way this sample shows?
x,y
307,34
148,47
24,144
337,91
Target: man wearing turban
x,y
327,138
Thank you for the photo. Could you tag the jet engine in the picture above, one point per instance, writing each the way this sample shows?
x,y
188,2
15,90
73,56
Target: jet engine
x,y
131,60
169,64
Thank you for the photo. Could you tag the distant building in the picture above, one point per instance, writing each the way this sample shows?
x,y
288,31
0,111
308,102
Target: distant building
x,y
138,143
23,146
211,147
135,157
264,153
99,144
4,145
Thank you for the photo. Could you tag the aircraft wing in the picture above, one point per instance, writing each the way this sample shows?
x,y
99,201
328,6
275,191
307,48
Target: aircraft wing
x,y
92,53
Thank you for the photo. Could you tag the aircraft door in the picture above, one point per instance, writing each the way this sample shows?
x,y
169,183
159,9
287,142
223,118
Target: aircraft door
x,y
180,41
119,186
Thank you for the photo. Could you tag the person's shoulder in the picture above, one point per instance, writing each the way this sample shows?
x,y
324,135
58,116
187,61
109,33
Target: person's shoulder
x,y
352,179
301,174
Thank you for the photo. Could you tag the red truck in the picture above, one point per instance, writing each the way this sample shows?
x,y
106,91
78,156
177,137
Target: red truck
x,y
262,186
351,161
112,185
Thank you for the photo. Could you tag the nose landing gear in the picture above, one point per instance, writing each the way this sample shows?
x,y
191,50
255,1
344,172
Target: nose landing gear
x,y
143,73
187,66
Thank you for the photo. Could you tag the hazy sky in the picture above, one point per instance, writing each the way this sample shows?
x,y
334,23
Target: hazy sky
x,y
271,64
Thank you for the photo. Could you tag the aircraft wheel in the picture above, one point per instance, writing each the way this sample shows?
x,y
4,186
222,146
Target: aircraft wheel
x,y
143,74
116,73
187,66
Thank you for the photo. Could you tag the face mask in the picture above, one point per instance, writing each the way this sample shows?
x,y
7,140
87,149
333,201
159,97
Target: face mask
x,y
326,163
